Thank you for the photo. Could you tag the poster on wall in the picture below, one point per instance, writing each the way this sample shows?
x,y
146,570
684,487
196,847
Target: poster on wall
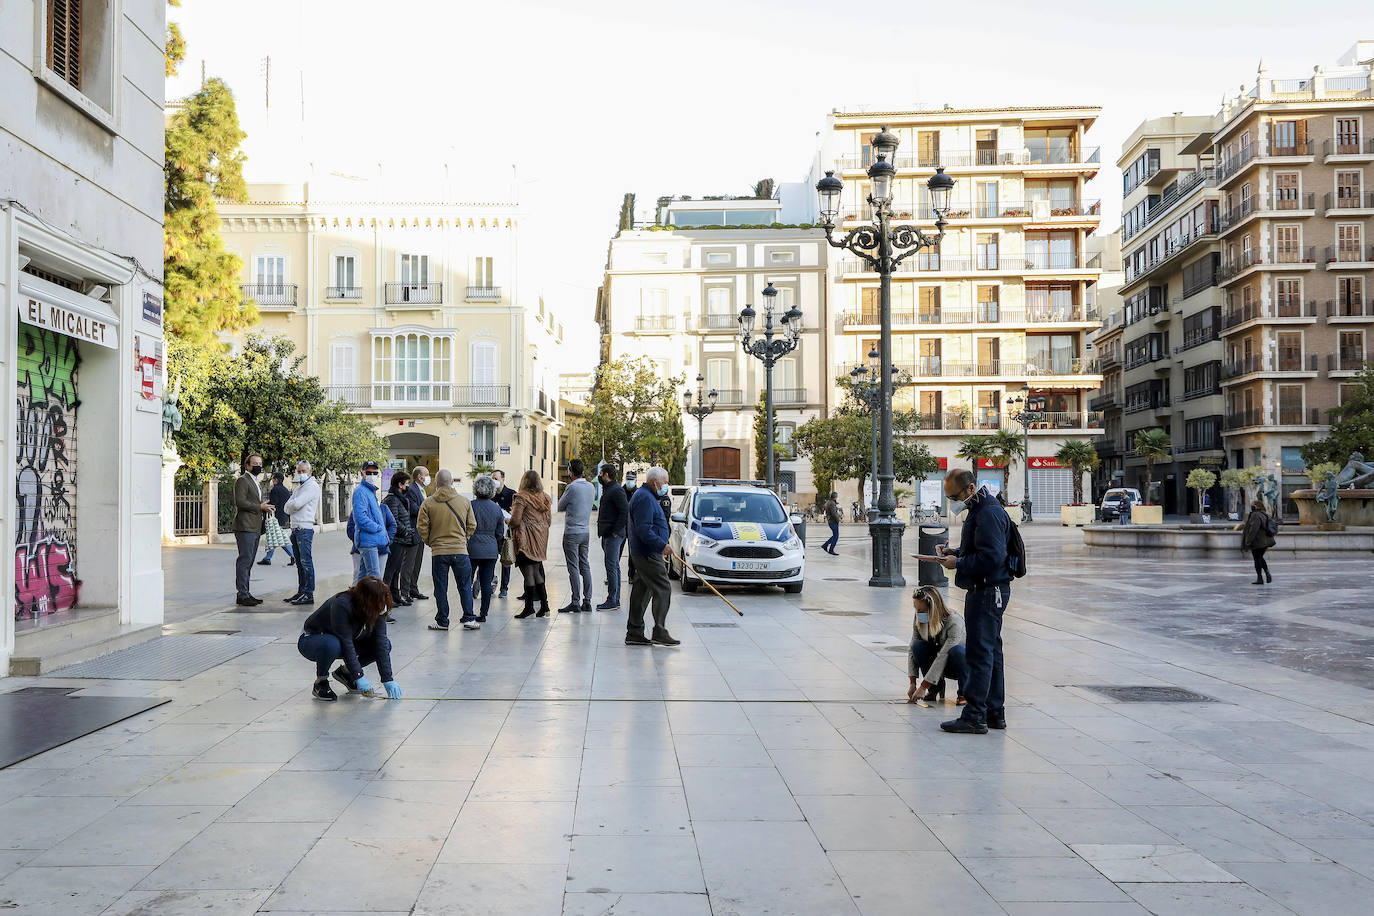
x,y
148,373
932,491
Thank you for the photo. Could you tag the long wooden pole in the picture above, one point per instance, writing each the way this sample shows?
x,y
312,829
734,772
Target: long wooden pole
x,y
715,590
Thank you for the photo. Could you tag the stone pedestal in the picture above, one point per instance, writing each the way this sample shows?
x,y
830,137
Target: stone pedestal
x,y
1355,507
170,465
1147,515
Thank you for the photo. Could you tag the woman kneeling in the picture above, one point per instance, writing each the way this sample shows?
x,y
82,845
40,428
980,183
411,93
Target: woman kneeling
x,y
937,647
351,627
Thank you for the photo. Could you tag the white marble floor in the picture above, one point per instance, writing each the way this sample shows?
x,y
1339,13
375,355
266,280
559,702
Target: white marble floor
x,y
541,766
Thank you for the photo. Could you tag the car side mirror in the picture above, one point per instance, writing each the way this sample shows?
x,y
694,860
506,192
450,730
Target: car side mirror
x,y
679,517
795,519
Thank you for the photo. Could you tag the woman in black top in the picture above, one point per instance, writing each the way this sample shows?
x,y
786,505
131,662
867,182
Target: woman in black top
x,y
406,537
350,627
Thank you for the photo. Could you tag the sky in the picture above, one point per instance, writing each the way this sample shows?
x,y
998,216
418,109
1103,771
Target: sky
x,y
567,106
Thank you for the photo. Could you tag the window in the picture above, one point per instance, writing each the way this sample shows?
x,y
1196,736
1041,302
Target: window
x,y
929,363
483,373
782,436
1051,250
1348,246
1347,189
1290,405
1288,297
928,148
986,250
988,308
271,274
1145,165
928,305
1201,328
1200,275
655,257
1060,195
1350,292
412,367
484,442
64,40
415,270
345,278
1351,350
1285,138
1286,191
718,257
1290,351
785,375
1202,380
720,376
782,257
483,273
1347,392
1287,244
1347,136
989,409
1054,302
985,144
718,311
1051,145
987,200
343,375
1202,434
655,302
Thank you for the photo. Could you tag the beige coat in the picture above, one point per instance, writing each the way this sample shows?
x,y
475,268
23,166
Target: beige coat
x,y
530,515
446,522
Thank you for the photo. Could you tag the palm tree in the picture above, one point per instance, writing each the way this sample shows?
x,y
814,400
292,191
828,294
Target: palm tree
x,y
1080,455
1006,446
974,448
1152,445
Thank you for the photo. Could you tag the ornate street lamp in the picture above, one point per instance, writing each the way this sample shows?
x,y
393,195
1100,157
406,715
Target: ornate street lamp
x,y
703,407
869,393
1018,412
883,247
769,350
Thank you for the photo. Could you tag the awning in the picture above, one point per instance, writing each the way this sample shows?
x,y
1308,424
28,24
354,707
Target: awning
x,y
65,311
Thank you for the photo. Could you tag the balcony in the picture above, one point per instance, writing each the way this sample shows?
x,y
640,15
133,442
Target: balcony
x,y
1104,402
1060,366
481,395
718,321
1152,401
405,395
984,313
729,397
544,402
344,293
404,294
1284,416
1252,365
271,297
1230,168
655,324
1108,447
1172,246
1350,150
1293,255
1192,394
1171,196
1303,312
980,158
1244,419
1349,205
1356,257
1347,361
788,396
1050,420
484,294
1212,444
1353,309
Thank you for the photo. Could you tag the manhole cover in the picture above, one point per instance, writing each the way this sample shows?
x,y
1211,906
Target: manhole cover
x,y
1126,694
839,579
715,625
844,613
214,632
897,648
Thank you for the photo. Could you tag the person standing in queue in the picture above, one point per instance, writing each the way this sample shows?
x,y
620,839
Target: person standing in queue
x,y
368,522
611,518
301,507
505,498
530,517
576,506
351,628
405,540
484,546
249,507
981,569
648,548
446,523
415,497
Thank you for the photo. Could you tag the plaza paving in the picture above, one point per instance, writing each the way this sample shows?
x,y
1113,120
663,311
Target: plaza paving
x,y
541,766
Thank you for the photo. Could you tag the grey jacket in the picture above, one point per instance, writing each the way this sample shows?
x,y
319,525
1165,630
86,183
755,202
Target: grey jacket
x,y
576,505
485,542
951,634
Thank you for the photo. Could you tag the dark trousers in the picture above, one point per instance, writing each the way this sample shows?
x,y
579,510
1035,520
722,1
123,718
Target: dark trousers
x,y
392,573
833,541
651,582
243,566
956,666
303,539
610,553
985,689
410,576
484,581
324,649
461,566
1261,566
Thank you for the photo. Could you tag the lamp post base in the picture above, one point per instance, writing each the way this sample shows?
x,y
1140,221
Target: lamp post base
x,y
886,532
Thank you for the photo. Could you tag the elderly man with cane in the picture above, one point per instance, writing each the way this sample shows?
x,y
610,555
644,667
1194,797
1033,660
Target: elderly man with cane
x,y
648,547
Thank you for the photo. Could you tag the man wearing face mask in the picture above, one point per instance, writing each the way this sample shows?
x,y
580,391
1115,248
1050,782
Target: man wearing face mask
x,y
369,525
980,568
415,497
648,547
249,507
302,506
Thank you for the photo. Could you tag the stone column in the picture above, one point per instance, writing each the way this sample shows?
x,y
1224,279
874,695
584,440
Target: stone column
x,y
170,465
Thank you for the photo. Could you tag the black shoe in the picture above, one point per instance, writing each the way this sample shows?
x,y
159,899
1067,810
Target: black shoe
x,y
1258,582
608,606
527,612
502,593
403,604
322,691
519,597
481,618
293,599
247,601
1268,577
636,639
264,562
569,609
390,619
997,720
962,726
664,638
586,606
416,596
290,562
343,677
303,601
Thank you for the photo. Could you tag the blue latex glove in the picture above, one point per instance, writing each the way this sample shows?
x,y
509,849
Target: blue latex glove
x,y
393,690
362,684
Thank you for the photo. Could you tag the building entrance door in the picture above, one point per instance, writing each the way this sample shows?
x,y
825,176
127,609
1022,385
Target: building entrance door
x,y
721,463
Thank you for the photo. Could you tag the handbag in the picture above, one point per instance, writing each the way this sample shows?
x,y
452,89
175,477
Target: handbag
x,y
507,551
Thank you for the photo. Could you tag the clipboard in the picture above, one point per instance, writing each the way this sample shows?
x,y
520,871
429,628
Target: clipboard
x,y
927,558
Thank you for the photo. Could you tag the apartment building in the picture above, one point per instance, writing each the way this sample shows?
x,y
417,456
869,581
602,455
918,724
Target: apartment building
x,y
412,311
673,291
1165,346
1006,305
1295,170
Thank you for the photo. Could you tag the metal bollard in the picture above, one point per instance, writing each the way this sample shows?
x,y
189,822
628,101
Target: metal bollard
x,y
928,538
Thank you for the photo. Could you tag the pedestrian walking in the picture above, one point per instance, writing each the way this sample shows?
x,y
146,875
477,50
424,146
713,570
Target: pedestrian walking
x,y
833,516
505,498
277,523
1260,528
576,506
446,523
301,509
611,519
530,517
415,497
1124,507
484,547
249,507
404,541
369,522
648,548
981,569
351,628
937,647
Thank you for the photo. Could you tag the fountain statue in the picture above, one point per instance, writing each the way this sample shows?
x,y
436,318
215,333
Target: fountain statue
x,y
1356,473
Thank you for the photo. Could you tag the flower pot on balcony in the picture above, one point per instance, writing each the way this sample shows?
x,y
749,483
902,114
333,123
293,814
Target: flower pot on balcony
x,y
1077,516
1147,515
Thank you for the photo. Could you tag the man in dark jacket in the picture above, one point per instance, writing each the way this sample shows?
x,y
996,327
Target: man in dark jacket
x,y
833,517
278,497
505,498
611,518
980,568
648,547
415,497
248,509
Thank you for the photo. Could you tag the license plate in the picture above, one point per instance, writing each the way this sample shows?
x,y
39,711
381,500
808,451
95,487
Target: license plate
x,y
748,564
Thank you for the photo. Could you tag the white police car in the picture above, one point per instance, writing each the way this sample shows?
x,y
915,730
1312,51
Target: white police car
x,y
735,533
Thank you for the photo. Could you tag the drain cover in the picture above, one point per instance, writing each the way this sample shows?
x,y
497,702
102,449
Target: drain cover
x,y
716,625
1125,694
30,691
844,613
214,632
839,579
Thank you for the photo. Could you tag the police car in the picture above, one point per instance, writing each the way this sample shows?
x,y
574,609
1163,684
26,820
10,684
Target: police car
x,y
735,532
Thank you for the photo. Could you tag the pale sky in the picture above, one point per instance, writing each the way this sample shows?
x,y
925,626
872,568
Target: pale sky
x,y
590,100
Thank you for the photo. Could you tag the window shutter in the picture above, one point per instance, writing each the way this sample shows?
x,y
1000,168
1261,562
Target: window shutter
x,y
64,40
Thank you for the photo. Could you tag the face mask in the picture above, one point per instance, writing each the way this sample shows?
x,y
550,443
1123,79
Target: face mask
x,y
255,470
371,475
302,478
922,617
663,490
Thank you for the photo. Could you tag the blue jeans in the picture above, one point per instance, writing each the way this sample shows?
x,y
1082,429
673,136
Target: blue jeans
x,y
956,664
272,550
610,549
303,539
833,541
324,649
484,574
461,566
368,563
985,690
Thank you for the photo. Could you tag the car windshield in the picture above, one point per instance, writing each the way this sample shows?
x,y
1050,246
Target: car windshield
x,y
740,507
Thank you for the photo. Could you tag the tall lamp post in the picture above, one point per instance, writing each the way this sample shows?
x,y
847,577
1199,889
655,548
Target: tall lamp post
x,y
769,350
882,247
869,393
1018,410
703,407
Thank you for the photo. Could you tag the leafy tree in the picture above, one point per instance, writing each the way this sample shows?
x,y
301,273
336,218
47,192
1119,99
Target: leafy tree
x,y
972,448
840,447
1239,479
1080,455
1200,480
203,162
1005,447
1352,426
175,44
1317,472
763,188
1153,445
636,413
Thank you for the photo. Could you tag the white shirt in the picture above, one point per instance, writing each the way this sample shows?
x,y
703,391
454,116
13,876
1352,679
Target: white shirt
x,y
303,504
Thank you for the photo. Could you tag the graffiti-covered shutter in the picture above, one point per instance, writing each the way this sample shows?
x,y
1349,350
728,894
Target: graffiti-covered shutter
x,y
45,543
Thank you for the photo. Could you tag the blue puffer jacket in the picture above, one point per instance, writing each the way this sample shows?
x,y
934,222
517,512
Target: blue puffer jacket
x,y
367,516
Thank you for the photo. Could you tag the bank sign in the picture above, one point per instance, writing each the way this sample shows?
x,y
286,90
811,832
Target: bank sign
x,y
63,320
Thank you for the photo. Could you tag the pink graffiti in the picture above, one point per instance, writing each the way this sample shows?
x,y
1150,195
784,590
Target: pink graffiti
x,y
43,581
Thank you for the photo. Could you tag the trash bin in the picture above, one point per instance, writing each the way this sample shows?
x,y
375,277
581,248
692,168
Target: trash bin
x,y
928,538
799,526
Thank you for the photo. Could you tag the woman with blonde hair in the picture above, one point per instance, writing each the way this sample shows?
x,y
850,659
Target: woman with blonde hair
x,y
530,516
937,647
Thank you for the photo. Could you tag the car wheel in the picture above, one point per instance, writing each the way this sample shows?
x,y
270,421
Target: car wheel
x,y
793,588
671,573
689,584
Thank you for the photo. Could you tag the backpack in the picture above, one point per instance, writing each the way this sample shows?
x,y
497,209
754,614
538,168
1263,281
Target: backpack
x,y
1016,550
1271,525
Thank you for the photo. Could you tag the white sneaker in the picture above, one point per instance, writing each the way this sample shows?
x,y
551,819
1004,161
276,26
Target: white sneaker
x,y
471,625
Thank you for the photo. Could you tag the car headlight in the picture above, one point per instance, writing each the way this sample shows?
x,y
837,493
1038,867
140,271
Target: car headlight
x,y
691,541
793,543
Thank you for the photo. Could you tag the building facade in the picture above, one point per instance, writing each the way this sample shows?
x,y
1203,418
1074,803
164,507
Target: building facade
x,y
1005,306
81,192
411,312
673,292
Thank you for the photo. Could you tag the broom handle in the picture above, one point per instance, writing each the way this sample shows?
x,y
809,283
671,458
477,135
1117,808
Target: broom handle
x,y
715,590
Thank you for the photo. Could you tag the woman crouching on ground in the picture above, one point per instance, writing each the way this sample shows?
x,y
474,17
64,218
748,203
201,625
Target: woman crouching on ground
x,y
350,627
937,647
